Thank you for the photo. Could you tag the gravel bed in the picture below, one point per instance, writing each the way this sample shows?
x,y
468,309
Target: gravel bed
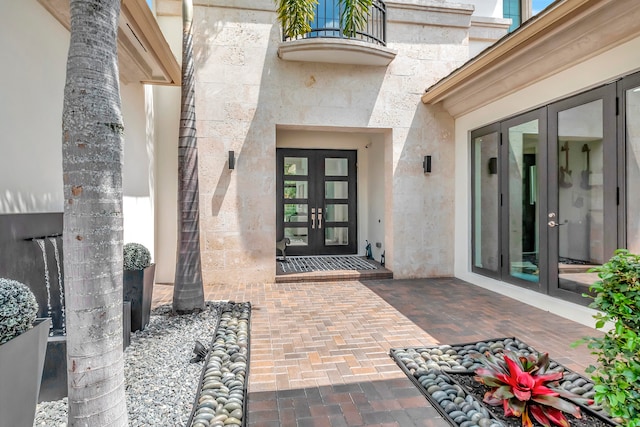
x,y
429,369
161,384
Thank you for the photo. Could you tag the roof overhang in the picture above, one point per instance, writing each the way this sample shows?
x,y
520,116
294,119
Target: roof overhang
x,y
143,53
565,34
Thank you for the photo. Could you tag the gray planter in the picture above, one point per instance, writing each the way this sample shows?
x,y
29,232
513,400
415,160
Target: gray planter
x,y
138,288
21,363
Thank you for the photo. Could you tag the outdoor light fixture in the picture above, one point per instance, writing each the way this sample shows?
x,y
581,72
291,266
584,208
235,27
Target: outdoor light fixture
x,y
426,164
493,165
232,160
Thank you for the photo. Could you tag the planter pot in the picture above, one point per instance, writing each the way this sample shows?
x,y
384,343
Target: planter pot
x,y
21,363
138,288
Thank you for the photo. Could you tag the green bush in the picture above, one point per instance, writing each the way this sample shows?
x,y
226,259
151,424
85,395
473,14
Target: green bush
x,y
18,309
136,257
617,376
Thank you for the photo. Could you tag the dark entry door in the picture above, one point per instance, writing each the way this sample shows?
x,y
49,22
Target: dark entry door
x,y
316,205
582,210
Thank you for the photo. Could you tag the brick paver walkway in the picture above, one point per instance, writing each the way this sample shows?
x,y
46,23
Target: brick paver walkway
x,y
319,351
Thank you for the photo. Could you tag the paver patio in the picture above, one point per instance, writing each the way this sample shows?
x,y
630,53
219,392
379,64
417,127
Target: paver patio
x,y
319,351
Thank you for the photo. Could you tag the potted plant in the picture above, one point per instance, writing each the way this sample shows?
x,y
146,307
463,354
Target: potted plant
x,y
23,344
138,278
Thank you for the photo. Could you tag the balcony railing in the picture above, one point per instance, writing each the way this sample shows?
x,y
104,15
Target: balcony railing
x,y
327,23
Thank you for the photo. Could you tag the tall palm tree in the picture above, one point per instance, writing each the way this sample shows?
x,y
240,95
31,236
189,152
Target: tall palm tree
x,y
92,152
188,292
296,15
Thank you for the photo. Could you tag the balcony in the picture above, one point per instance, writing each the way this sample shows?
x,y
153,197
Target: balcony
x,y
326,42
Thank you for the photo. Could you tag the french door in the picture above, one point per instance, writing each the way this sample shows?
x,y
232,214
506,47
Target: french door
x,y
545,194
317,201
583,191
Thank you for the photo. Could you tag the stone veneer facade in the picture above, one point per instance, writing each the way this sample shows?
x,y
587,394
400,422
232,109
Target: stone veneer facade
x,y
251,101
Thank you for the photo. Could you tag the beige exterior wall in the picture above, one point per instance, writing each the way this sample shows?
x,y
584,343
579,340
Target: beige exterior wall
x,y
31,101
249,101
34,47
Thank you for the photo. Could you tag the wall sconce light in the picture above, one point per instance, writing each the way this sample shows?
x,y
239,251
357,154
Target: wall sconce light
x,y
493,165
426,164
232,160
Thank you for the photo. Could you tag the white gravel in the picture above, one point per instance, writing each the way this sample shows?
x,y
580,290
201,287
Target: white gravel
x,y
160,382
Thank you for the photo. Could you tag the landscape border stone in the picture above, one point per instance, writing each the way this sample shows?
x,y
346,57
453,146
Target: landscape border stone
x,y
222,389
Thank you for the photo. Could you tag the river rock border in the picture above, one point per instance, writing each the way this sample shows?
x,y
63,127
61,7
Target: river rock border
x,y
221,400
428,368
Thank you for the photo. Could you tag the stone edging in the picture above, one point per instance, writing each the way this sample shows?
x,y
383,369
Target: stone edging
x,y
221,399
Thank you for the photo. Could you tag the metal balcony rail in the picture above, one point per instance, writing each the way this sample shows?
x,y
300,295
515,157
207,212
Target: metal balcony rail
x,y
327,23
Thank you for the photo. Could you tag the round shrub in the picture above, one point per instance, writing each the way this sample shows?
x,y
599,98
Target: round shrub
x,y
136,257
18,309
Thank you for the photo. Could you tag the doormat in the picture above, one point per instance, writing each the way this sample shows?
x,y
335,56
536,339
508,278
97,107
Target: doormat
x,y
304,264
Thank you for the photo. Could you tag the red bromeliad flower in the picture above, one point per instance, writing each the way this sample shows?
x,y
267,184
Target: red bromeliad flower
x,y
525,387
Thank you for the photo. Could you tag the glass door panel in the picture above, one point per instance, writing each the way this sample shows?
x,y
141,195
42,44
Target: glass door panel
x,y
296,200
582,212
632,110
335,212
523,211
336,236
336,167
486,201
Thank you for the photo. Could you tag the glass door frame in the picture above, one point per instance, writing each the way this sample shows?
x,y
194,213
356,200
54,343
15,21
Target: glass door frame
x,y
607,94
541,166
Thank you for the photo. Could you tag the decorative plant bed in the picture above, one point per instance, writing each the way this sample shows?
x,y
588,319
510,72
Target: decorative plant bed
x,y
221,399
444,374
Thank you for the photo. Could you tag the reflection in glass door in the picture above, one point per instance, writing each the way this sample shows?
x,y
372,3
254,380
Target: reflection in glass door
x,y
316,206
522,207
582,214
632,152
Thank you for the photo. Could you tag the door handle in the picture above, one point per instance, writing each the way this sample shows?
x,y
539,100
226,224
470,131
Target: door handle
x,y
553,224
319,217
313,218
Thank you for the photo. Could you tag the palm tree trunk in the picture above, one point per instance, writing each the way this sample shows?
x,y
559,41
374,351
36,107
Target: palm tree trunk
x,y
188,292
92,150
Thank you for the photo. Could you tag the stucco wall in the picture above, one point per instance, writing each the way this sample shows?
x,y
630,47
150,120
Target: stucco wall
x,y
34,47
31,100
245,92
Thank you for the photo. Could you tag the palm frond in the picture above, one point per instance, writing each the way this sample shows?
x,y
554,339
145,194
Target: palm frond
x,y
295,16
354,16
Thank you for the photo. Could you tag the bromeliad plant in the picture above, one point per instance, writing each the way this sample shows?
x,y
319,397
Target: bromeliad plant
x,y
526,388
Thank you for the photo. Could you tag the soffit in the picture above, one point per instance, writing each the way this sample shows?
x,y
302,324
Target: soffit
x,y
143,53
563,35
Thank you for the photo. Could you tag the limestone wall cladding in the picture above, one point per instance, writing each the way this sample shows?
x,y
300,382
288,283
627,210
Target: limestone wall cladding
x,y
244,91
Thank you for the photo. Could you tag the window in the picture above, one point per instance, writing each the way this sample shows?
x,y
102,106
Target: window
x,y
511,10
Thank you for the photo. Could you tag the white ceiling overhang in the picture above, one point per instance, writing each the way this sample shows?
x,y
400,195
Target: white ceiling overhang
x,y
143,53
563,35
